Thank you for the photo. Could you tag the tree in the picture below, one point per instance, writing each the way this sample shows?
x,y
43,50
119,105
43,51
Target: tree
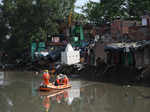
x,y
104,11
3,29
108,10
26,20
137,8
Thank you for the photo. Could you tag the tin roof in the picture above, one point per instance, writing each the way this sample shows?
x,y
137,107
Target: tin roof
x,y
121,46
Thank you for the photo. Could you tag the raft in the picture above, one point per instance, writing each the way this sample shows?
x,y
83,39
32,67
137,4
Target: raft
x,y
51,93
53,87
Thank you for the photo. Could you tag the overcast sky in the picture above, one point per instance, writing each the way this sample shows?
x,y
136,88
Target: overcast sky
x,y
80,3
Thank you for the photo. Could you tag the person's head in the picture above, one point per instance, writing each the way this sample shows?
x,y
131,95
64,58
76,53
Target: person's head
x,y
65,76
58,77
61,75
45,71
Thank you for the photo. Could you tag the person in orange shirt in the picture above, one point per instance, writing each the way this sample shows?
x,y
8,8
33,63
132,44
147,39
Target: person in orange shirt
x,y
46,78
65,80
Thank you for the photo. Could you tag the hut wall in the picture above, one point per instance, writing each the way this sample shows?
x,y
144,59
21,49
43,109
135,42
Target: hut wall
x,y
139,57
99,50
147,55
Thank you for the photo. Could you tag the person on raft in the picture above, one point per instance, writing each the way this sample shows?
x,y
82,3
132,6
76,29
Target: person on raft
x,y
46,78
61,80
65,80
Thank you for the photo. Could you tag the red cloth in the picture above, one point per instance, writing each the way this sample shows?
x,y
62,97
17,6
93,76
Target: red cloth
x,y
58,82
65,81
46,78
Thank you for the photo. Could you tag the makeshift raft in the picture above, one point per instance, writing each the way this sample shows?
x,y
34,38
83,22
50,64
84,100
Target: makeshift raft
x,y
51,87
51,93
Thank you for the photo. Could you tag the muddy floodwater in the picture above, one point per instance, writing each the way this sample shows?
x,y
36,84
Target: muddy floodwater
x,y
18,93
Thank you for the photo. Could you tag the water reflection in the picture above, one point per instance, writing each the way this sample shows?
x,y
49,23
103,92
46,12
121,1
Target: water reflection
x,y
46,103
60,97
20,95
1,78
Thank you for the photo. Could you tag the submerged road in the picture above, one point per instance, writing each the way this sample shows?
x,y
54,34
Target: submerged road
x,y
18,93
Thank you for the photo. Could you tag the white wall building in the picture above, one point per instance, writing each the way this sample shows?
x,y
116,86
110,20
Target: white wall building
x,y
70,56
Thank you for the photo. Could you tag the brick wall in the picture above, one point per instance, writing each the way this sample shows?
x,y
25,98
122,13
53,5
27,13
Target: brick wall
x,y
139,33
120,27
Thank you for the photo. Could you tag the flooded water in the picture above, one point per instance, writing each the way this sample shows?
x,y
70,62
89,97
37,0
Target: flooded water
x,y
18,93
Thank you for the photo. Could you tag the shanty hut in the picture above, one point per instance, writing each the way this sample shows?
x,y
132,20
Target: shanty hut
x,y
130,54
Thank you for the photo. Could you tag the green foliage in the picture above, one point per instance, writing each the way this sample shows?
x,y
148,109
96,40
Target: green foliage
x,y
3,30
27,20
79,17
107,10
136,8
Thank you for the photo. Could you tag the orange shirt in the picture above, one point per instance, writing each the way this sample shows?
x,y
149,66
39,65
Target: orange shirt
x,y
65,81
58,82
46,78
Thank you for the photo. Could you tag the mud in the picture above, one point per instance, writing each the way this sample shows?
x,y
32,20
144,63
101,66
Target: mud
x,y
117,74
102,72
